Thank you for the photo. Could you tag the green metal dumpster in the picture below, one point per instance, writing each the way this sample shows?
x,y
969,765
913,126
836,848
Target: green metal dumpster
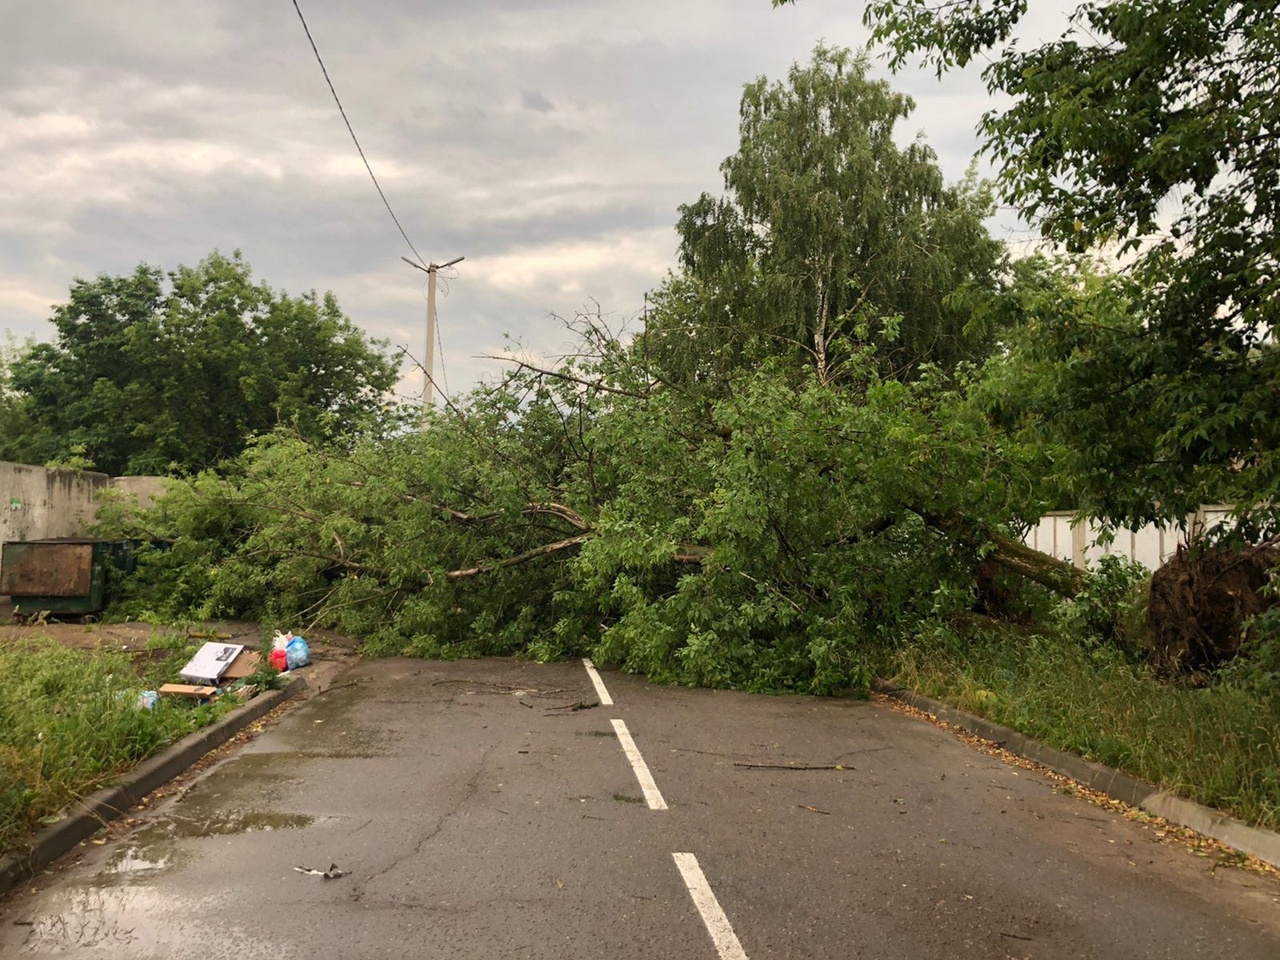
x,y
64,576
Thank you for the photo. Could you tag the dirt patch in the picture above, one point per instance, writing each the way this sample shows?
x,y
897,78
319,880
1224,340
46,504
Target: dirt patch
x,y
1200,601
330,652
81,636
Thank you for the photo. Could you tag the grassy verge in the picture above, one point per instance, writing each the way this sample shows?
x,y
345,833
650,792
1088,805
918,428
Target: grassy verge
x,y
70,721
1219,745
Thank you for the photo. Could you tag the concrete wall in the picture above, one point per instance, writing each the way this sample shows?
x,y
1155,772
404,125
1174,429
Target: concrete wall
x,y
147,490
36,503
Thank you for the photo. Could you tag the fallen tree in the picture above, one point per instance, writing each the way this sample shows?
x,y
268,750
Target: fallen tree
x,y
773,538
827,439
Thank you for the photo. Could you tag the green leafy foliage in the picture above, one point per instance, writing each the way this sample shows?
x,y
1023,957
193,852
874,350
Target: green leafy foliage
x,y
760,490
154,374
709,502
1257,667
1097,614
1147,128
770,540
830,237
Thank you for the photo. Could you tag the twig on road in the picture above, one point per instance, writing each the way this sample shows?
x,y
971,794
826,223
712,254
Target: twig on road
x,y
333,873
346,683
793,766
577,705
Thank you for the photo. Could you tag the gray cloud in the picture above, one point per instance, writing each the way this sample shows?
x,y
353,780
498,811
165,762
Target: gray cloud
x,y
535,101
549,142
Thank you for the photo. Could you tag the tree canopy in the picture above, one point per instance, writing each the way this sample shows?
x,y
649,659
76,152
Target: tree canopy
x,y
830,237
782,474
808,457
1146,133
153,373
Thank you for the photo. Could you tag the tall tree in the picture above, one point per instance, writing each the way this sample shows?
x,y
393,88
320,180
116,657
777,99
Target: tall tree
x,y
149,374
830,236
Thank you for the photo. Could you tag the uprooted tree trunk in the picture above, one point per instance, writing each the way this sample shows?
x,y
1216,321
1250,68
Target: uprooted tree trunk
x,y
1013,555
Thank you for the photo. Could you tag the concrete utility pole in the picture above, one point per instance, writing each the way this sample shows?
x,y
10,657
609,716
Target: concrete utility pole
x,y
429,365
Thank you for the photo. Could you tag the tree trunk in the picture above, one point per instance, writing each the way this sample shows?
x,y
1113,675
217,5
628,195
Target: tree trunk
x,y
1059,576
1015,556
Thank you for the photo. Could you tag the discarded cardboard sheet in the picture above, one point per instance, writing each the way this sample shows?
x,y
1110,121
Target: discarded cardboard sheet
x,y
211,662
188,690
245,665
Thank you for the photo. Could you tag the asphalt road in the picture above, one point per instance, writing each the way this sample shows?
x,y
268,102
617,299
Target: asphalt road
x,y
475,813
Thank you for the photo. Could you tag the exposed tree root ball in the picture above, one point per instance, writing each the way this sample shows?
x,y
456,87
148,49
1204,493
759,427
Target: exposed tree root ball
x,y
1200,601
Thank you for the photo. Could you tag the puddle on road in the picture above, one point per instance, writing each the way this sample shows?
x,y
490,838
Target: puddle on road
x,y
155,848
138,859
109,917
221,824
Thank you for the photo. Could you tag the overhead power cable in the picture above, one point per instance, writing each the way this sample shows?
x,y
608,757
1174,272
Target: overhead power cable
x,y
354,139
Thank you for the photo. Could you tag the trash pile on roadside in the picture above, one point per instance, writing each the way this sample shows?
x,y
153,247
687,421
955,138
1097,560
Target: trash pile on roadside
x,y
220,669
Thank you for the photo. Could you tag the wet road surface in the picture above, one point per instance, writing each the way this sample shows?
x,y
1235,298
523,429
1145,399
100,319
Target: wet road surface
x,y
476,813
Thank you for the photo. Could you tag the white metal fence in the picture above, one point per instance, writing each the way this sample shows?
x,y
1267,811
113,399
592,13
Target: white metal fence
x,y
1150,546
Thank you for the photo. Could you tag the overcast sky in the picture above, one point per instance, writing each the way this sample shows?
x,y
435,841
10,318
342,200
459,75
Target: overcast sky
x,y
548,141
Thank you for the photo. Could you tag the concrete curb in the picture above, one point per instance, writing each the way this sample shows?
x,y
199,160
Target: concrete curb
x,y
1263,844
114,801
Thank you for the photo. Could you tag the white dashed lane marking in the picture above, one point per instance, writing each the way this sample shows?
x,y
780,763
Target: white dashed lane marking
x,y
601,691
652,795
713,917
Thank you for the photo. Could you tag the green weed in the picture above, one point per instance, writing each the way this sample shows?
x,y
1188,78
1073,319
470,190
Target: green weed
x,y
70,722
1215,744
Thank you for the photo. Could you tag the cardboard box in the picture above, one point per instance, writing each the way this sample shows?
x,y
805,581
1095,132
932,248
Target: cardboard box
x,y
245,665
211,662
188,690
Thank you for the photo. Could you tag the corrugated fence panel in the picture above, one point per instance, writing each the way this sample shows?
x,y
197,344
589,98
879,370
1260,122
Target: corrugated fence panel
x,y
1150,546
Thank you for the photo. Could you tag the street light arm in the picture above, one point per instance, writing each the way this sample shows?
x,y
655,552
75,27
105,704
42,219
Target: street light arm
x,y
433,267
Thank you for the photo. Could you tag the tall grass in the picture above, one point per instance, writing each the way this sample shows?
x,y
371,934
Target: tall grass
x,y
69,722
1217,744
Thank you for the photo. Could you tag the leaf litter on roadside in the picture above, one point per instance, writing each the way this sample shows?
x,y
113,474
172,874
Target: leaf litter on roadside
x,y
1159,829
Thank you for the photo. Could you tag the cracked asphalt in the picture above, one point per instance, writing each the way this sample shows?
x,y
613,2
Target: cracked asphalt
x,y
476,810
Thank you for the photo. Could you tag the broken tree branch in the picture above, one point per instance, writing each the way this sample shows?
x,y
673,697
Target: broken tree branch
x,y
598,384
542,551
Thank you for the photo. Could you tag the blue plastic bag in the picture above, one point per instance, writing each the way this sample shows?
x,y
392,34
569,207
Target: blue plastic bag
x,y
297,654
